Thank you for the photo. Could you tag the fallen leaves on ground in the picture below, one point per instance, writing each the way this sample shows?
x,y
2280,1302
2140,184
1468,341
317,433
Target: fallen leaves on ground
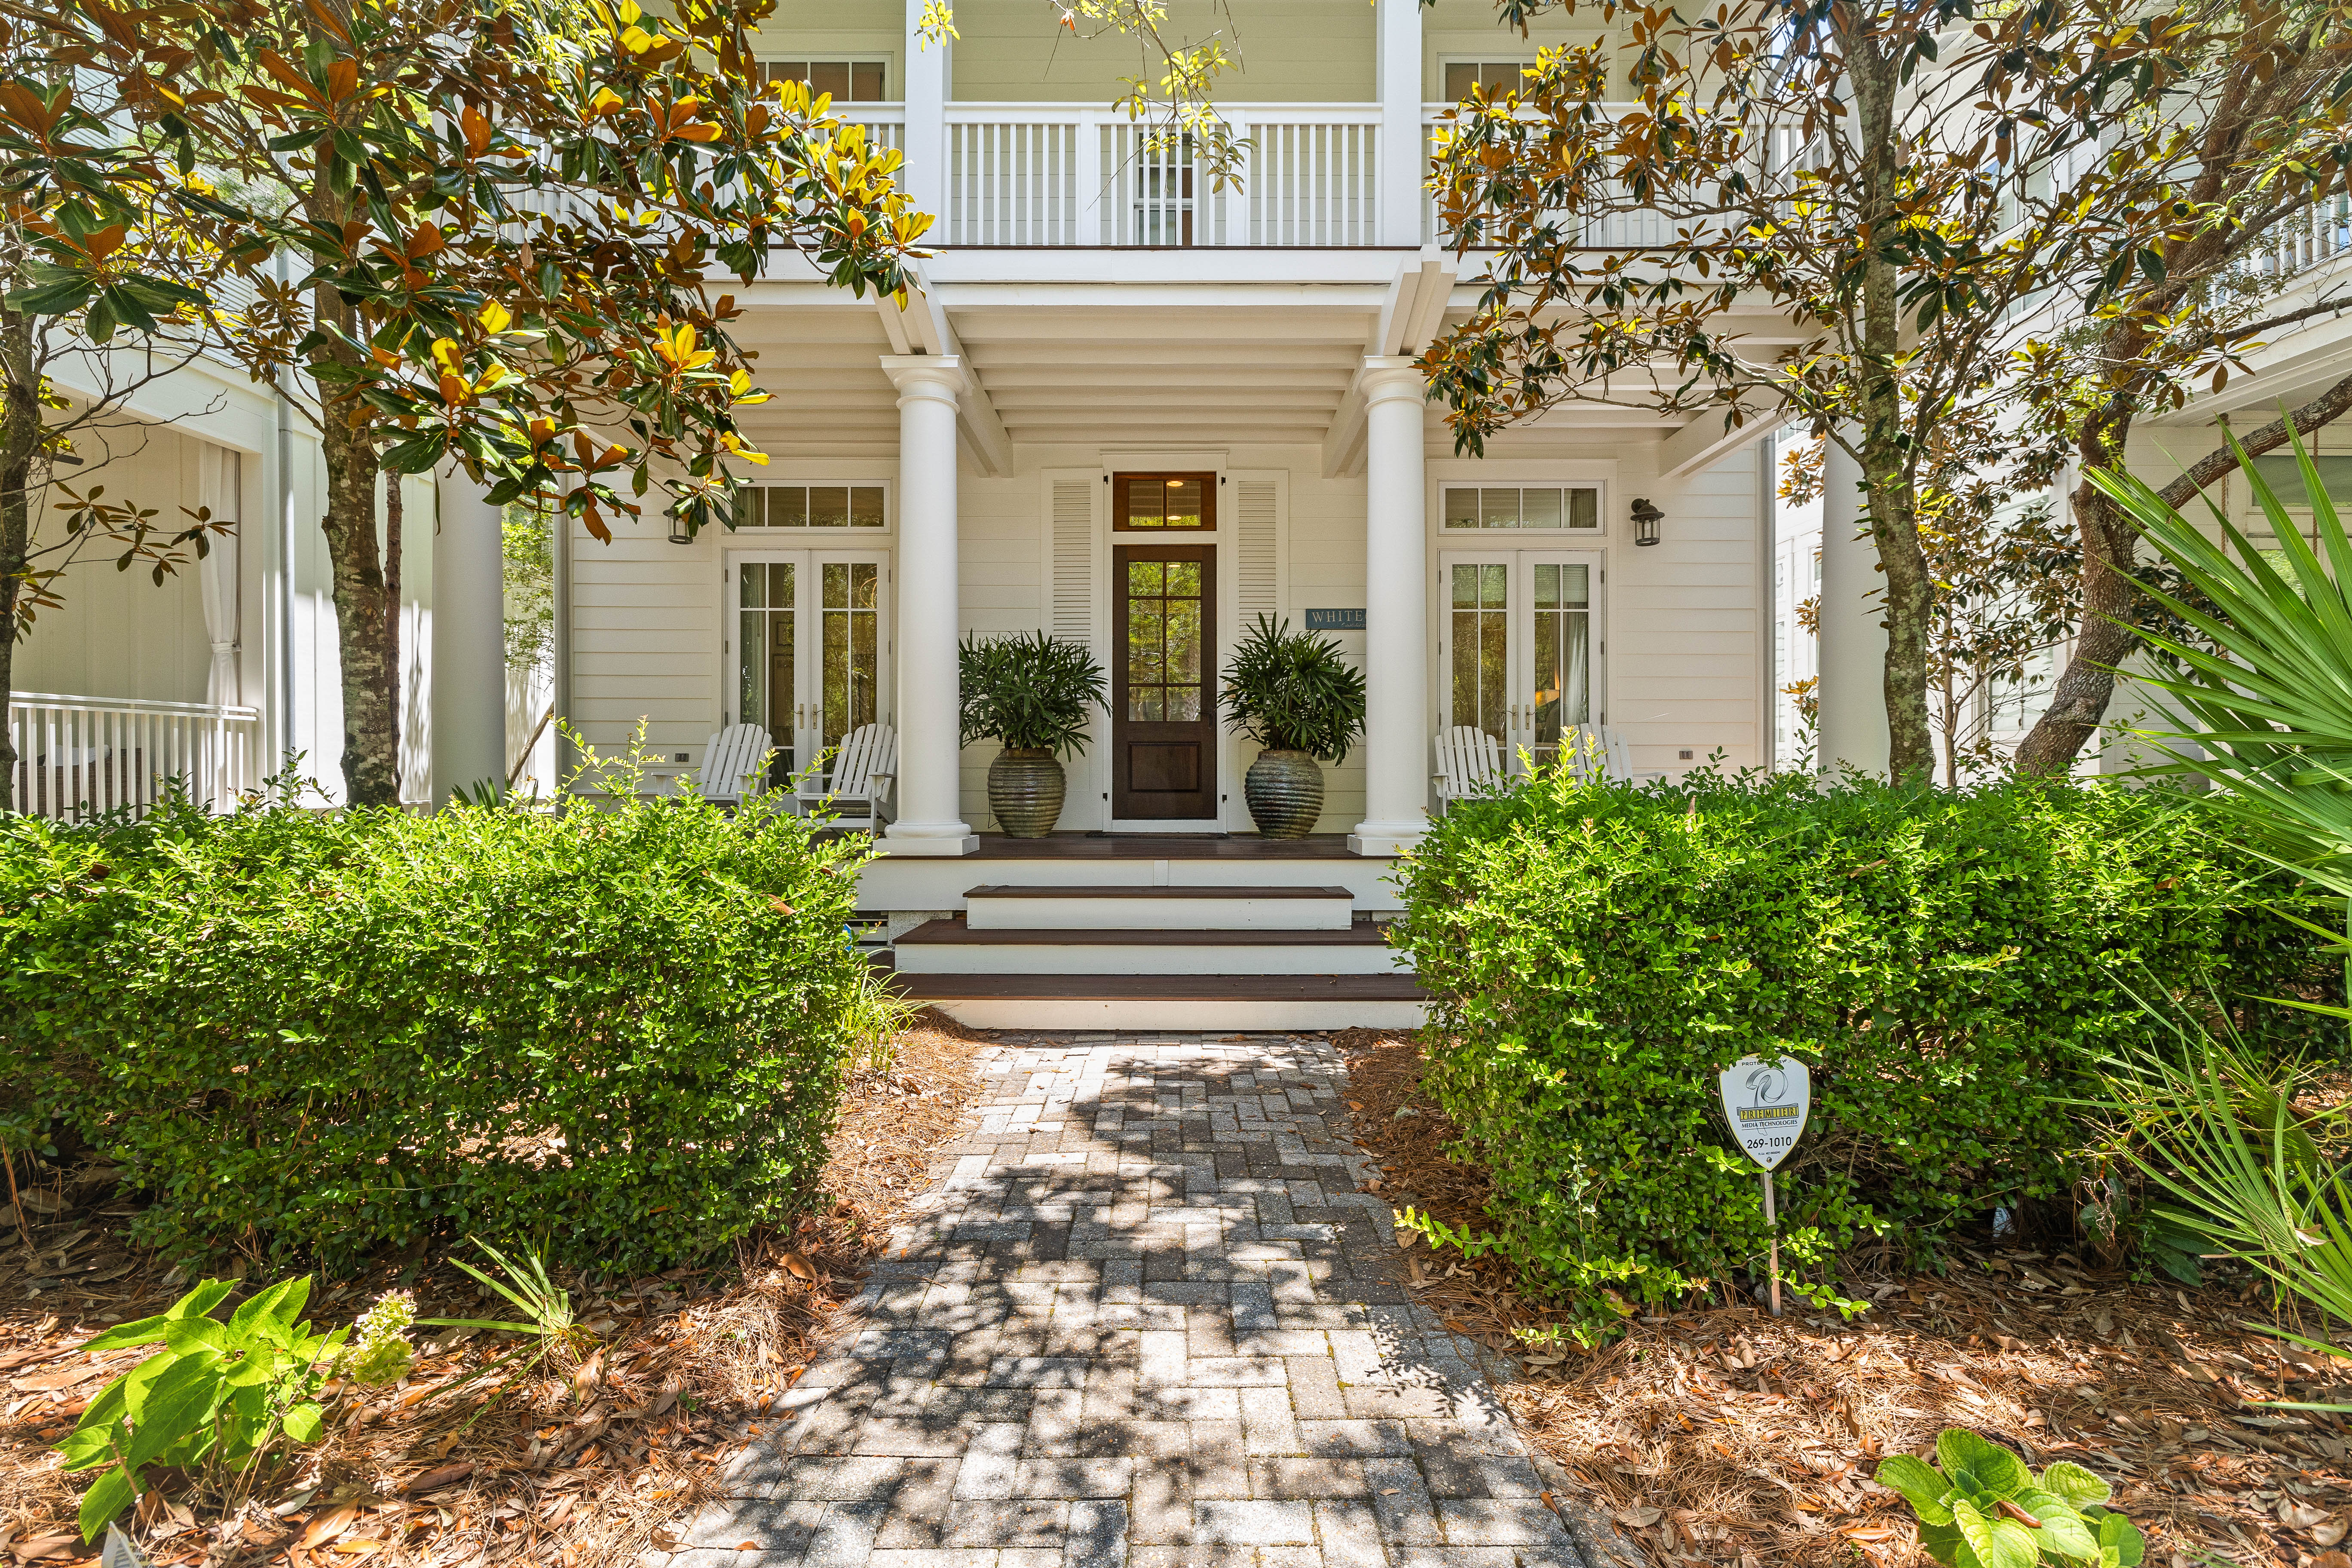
x,y
594,1461
1728,1437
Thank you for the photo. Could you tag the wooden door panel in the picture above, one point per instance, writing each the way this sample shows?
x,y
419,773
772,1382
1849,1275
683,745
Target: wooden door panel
x,y
1163,692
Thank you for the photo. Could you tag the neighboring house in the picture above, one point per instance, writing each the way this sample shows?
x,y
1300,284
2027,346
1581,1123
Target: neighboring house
x,y
1122,400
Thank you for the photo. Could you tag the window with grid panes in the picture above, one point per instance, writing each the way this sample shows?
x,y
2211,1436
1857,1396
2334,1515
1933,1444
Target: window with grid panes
x,y
849,81
810,506
1468,507
1495,75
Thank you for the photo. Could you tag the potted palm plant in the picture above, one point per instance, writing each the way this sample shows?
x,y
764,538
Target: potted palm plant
x,y
1296,696
1030,693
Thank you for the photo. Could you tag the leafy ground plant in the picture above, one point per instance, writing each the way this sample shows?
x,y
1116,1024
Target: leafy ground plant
x,y
216,1397
1980,1507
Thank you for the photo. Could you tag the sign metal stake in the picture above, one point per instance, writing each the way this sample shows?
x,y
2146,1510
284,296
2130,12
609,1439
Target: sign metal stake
x,y
1767,1103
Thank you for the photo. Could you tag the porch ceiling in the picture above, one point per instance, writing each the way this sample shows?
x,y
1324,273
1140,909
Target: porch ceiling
x,y
1172,373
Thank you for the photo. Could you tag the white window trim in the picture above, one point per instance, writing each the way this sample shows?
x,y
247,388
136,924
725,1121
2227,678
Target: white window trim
x,y
1595,536
889,529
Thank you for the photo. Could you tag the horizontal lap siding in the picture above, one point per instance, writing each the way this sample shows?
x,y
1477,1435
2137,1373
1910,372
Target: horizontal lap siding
x,y
997,564
1683,620
1326,572
644,640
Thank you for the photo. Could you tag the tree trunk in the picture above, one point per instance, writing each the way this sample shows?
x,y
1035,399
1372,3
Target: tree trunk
x,y
363,637
1871,66
20,436
2078,702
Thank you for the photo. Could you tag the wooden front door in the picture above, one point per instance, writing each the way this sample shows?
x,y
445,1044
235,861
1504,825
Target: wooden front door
x,y
1163,692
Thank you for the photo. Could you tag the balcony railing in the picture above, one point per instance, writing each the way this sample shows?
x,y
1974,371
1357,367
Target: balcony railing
x,y
85,756
2320,234
1067,174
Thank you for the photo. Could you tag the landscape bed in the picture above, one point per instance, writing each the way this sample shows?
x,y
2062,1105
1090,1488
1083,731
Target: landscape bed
x,y
589,1466
1725,1437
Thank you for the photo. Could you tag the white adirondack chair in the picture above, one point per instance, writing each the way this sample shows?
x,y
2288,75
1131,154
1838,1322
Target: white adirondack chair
x,y
1469,763
1594,753
733,757
865,773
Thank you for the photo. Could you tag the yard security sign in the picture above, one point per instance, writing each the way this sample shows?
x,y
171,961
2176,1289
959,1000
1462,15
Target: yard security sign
x,y
1766,1104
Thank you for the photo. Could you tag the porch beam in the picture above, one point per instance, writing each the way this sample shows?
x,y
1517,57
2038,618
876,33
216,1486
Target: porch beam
x,y
1411,314
923,328
1704,442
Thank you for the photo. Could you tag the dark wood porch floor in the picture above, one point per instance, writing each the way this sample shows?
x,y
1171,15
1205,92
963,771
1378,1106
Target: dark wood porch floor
x,y
1163,846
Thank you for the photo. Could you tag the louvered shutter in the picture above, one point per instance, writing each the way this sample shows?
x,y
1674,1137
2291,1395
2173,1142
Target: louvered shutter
x,y
1070,547
1257,549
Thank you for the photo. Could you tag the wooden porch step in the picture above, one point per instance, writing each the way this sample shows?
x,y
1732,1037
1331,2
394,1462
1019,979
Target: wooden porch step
x,y
955,947
1145,907
1220,1002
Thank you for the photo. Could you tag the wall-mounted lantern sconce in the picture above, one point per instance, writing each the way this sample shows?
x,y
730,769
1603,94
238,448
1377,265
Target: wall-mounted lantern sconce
x,y
1647,519
681,531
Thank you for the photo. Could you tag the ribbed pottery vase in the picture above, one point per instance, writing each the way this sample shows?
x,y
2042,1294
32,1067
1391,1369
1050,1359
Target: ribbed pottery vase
x,y
1025,790
1285,790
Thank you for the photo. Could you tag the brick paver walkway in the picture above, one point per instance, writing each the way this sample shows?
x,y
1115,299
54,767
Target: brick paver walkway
x,y
1146,1319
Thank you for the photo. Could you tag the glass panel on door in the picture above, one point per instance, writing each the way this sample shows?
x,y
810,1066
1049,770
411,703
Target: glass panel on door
x,y
1480,640
1520,648
1561,672
853,642
769,684
810,647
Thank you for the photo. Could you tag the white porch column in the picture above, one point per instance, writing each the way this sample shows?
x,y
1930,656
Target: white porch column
x,y
923,176
469,640
1853,689
929,821
1403,148
1396,611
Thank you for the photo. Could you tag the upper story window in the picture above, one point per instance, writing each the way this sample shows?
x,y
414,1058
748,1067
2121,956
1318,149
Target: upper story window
x,y
809,506
1461,76
849,81
1513,506
1158,502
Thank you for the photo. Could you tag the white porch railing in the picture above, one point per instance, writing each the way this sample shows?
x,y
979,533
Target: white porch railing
x,y
1053,175
82,756
2321,233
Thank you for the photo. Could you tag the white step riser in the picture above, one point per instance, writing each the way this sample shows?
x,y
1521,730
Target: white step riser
x,y
1205,913
910,883
1043,958
1223,1017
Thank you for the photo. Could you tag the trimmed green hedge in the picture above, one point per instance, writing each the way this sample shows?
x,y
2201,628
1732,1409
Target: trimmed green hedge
x,y
1950,967
619,1034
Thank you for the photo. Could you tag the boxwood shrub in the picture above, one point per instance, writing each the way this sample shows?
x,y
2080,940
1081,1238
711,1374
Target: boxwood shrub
x,y
1951,968
618,1034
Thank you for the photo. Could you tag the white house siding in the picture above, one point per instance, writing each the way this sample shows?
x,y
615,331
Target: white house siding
x,y
1293,51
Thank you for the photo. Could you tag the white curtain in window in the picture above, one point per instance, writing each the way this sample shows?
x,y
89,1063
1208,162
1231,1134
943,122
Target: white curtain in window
x,y
217,474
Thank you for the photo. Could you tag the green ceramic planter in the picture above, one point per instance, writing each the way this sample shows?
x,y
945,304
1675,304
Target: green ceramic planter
x,y
1284,791
1025,789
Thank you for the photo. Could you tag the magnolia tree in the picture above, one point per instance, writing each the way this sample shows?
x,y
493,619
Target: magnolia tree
x,y
1863,218
480,232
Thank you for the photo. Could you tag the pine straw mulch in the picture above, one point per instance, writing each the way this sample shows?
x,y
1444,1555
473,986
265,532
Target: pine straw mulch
x,y
589,1463
1728,1437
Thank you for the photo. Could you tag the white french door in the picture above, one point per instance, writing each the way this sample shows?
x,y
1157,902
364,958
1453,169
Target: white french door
x,y
1520,645
809,644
